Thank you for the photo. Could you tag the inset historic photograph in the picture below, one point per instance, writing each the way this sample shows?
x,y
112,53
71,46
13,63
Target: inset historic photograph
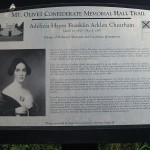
x,y
22,82
11,32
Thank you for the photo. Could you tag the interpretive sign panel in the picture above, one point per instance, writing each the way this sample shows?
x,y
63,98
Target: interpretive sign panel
x,y
75,66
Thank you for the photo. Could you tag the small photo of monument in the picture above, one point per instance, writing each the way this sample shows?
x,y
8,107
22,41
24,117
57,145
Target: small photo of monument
x,y
11,32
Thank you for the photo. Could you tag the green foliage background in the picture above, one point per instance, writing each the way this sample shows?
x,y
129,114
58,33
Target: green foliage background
x,y
30,147
117,146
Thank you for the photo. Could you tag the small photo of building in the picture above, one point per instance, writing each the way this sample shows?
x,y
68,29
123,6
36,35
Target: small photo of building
x,y
11,32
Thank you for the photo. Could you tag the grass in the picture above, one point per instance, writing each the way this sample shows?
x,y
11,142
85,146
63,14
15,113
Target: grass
x,y
11,38
30,147
117,146
128,146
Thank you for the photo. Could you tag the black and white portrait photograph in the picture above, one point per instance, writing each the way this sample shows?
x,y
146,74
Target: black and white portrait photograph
x,y
22,82
11,31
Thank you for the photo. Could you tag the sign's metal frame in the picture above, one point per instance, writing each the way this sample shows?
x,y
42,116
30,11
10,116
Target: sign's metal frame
x,y
79,134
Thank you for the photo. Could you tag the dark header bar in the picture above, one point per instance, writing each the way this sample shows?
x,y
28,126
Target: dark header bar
x,y
26,4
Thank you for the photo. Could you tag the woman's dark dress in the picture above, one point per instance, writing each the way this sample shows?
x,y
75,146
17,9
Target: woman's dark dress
x,y
8,105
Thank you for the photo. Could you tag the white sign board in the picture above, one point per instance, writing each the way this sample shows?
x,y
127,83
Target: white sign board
x,y
75,66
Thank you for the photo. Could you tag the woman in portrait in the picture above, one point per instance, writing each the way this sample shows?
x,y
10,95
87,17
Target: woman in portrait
x,y
15,100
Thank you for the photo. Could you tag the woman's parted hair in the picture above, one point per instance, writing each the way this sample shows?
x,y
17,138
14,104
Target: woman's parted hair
x,y
14,63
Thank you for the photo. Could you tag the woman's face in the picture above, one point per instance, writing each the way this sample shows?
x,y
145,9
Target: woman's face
x,y
20,72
